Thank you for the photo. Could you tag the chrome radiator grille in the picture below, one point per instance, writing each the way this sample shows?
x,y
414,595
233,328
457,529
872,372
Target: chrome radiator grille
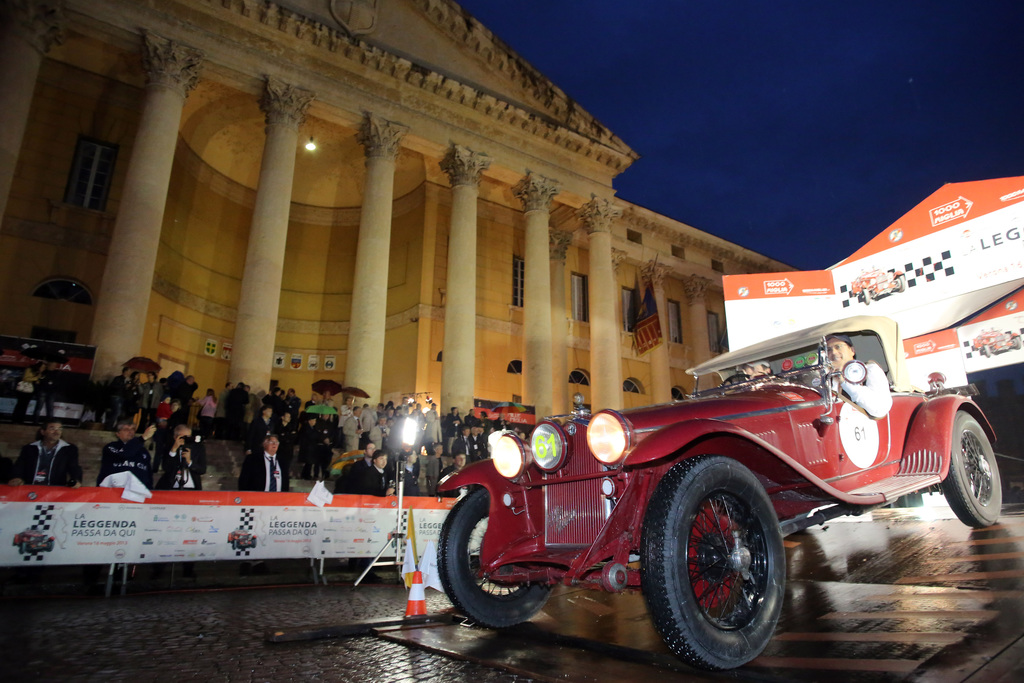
x,y
575,510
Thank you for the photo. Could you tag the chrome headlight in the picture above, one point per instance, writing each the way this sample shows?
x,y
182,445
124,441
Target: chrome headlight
x,y
510,456
608,437
549,446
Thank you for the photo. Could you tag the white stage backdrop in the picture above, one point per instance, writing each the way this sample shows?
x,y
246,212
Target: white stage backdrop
x,y
49,525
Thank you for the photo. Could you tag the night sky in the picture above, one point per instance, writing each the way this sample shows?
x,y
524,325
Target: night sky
x,y
797,129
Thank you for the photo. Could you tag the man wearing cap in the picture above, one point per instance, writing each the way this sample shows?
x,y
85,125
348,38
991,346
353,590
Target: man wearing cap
x,y
873,394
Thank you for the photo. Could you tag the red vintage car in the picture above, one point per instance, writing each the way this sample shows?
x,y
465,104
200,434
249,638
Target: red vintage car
x,y
31,541
689,501
875,283
240,539
991,342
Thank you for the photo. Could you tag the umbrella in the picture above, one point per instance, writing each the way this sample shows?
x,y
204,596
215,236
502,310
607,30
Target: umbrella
x,y
142,364
326,386
338,462
321,409
355,391
40,353
510,408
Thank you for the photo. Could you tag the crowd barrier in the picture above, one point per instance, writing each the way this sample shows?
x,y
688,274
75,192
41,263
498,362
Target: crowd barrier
x,y
60,526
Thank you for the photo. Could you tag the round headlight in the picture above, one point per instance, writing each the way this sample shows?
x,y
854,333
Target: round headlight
x,y
855,372
607,438
548,443
509,456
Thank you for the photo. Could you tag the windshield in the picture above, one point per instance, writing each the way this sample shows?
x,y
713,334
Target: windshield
x,y
801,366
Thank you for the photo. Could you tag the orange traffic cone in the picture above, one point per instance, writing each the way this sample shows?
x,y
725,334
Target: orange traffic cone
x,y
417,605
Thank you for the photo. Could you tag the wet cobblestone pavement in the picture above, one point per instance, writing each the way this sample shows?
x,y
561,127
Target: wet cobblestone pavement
x,y
218,636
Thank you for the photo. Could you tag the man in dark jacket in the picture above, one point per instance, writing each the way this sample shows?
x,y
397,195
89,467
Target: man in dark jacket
x,y
50,461
234,412
370,476
261,470
184,462
127,454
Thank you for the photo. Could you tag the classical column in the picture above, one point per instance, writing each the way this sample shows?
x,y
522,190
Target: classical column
x,y
364,363
172,71
661,374
696,287
28,28
284,107
605,357
458,368
560,240
536,192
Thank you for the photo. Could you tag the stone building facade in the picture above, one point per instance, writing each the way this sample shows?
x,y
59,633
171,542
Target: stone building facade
x,y
455,232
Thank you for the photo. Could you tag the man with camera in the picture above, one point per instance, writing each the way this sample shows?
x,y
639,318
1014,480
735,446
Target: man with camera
x,y
184,461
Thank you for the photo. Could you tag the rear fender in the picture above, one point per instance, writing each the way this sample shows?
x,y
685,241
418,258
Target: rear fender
x,y
930,434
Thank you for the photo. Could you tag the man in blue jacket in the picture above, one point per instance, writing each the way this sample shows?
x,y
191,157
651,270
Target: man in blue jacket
x,y
127,454
50,461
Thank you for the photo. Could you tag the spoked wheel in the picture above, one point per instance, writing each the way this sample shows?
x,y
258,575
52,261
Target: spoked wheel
x,y
714,568
488,603
973,488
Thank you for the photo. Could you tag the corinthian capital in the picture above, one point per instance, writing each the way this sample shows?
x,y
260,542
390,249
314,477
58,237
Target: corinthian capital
x,y
380,137
618,258
654,272
463,165
695,287
535,192
597,215
39,22
285,104
559,241
170,64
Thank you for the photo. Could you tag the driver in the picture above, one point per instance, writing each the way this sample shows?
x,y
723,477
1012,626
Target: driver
x,y
873,395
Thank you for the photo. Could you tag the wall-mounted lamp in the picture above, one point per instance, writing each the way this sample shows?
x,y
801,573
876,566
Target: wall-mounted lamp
x,y
311,145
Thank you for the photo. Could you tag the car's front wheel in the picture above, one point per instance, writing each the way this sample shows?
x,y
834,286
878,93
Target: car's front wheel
x,y
973,488
490,604
713,564
901,284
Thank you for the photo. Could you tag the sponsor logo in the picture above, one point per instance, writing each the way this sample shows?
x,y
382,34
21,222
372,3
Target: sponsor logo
x,y
783,286
1013,195
954,210
895,235
1011,305
924,347
744,291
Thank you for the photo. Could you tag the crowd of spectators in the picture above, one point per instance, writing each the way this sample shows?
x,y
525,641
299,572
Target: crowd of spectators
x,y
161,426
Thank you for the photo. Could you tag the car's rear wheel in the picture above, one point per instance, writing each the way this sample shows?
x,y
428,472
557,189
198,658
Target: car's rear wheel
x,y
713,564
973,488
485,602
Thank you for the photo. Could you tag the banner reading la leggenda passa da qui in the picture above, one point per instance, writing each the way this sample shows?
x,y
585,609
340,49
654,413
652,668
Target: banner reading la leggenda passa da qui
x,y
58,526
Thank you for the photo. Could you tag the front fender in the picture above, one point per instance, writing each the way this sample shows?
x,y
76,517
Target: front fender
x,y
931,430
481,472
669,440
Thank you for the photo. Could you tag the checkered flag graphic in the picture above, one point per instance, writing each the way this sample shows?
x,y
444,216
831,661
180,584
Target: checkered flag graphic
x,y
246,519
42,521
918,274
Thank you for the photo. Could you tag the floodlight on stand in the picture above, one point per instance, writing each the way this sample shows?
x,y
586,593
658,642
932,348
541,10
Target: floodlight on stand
x,y
409,429
311,145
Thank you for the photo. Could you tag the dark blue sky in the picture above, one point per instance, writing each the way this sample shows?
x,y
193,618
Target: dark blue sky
x,y
797,129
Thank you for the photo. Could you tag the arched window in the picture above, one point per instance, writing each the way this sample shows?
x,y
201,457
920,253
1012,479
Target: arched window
x,y
439,354
632,385
515,367
580,377
678,394
64,290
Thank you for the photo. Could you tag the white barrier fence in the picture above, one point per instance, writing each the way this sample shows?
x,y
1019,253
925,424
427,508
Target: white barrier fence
x,y
59,526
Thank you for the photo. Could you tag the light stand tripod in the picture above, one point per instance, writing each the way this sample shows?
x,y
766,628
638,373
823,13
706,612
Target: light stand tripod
x,y
397,537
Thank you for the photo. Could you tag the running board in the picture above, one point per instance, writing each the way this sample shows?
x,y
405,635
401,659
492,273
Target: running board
x,y
901,484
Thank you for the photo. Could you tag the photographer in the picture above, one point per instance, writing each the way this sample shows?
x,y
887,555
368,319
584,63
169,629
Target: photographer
x,y
184,462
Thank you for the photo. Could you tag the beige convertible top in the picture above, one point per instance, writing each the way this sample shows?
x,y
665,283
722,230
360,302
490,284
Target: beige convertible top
x,y
885,328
